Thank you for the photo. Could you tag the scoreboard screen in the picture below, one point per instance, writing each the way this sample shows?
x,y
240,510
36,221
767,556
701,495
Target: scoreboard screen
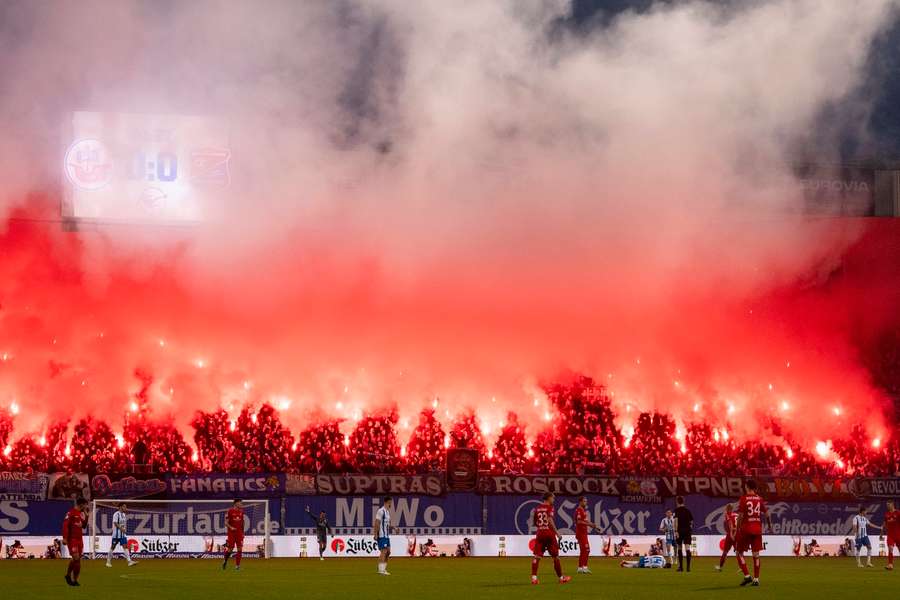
x,y
144,168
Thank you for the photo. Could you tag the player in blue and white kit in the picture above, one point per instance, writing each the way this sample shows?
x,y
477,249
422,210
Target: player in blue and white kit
x,y
667,526
382,533
120,535
645,562
861,524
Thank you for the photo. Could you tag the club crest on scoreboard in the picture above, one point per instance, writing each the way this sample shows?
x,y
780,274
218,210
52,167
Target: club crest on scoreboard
x,y
88,164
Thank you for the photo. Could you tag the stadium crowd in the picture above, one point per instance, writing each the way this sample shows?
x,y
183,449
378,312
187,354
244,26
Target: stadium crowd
x,y
583,438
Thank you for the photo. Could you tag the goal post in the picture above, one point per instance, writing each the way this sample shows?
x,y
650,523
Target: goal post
x,y
179,528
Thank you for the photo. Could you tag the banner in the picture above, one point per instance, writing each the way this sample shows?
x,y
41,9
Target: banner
x,y
381,485
572,485
355,546
512,515
22,517
837,190
127,486
643,490
462,469
880,487
69,486
268,485
300,485
654,489
186,518
180,546
650,488
222,485
450,514
23,486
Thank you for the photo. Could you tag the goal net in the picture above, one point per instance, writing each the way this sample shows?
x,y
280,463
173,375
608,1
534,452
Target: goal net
x,y
179,528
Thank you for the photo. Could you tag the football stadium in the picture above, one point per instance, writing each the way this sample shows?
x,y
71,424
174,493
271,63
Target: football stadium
x,y
489,298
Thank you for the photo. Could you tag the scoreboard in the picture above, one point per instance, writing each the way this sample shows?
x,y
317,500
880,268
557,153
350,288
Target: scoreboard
x,y
138,168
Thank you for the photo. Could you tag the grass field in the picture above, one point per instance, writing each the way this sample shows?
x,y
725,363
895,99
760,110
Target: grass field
x,y
438,579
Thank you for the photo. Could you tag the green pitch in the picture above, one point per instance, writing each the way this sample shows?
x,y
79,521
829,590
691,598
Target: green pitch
x,y
438,579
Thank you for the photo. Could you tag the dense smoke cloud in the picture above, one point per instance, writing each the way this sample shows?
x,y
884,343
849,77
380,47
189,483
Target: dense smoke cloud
x,y
431,199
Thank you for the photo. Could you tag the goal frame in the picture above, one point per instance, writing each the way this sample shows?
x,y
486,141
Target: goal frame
x,y
113,502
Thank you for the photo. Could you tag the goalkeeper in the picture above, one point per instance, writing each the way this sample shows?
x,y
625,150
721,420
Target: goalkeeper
x,y
323,529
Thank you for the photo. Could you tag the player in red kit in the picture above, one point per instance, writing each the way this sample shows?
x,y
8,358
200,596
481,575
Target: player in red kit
x,y
751,509
581,535
892,525
73,537
731,521
234,521
546,539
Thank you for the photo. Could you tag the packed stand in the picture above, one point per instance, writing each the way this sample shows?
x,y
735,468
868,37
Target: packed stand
x,y
582,437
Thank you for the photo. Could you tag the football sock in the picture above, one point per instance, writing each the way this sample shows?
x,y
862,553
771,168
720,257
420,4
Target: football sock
x,y
756,567
534,566
742,563
557,567
76,570
689,560
237,558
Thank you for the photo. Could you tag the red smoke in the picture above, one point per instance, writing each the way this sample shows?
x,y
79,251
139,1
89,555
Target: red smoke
x,y
793,360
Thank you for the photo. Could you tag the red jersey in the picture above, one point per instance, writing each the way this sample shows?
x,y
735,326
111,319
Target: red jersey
x,y
543,519
73,526
235,519
892,524
731,519
752,507
581,529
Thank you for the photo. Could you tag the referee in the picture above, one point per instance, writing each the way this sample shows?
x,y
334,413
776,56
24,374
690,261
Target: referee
x,y
684,525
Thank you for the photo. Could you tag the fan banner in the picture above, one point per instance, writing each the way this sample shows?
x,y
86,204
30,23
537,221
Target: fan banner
x,y
880,487
381,485
69,486
225,485
652,489
23,486
462,469
128,486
